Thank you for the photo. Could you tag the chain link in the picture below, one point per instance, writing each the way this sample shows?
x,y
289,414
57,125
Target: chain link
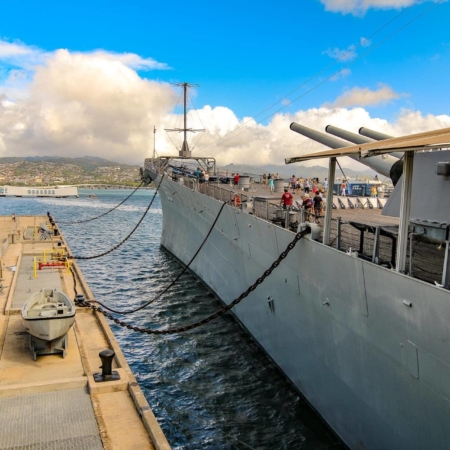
x,y
208,319
127,237
104,214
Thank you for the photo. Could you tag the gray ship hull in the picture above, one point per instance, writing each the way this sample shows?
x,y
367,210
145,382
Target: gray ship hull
x,y
340,328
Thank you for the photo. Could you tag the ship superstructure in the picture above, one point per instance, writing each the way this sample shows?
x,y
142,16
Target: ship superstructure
x,y
361,334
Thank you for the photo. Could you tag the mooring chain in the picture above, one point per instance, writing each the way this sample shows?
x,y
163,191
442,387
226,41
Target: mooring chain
x,y
104,214
208,319
127,237
172,283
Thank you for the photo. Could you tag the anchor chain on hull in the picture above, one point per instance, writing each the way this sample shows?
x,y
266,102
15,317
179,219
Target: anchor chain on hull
x,y
80,301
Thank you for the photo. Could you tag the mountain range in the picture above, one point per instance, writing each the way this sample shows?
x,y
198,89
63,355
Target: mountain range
x,y
91,163
87,163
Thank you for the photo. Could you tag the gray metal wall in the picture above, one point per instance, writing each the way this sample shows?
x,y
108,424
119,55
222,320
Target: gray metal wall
x,y
375,369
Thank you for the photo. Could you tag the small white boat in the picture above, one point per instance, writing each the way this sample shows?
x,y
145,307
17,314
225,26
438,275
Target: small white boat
x,y
47,316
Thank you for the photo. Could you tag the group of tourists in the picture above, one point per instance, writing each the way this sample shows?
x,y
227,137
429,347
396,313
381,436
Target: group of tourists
x,y
308,185
313,205
202,175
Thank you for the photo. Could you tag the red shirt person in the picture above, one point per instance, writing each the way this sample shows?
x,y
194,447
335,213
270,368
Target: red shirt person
x,y
236,179
286,198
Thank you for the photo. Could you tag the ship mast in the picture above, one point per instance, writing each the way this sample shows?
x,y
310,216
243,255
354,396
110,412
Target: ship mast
x,y
184,152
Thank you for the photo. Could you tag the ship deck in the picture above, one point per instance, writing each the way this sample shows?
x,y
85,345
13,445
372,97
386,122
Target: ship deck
x,y
54,402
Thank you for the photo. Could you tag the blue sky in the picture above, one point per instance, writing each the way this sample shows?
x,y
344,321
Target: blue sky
x,y
248,55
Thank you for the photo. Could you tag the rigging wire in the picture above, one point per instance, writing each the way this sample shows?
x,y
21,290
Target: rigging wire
x,y
200,120
158,296
343,174
172,119
128,236
104,214
374,47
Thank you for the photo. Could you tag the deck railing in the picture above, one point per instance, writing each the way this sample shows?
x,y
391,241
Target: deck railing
x,y
370,244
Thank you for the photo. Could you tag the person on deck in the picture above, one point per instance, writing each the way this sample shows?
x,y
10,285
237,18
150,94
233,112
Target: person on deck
x,y
236,179
286,199
293,183
264,180
307,186
343,187
318,206
271,185
307,205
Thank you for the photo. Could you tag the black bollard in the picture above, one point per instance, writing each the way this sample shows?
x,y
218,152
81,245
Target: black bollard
x,y
107,373
106,356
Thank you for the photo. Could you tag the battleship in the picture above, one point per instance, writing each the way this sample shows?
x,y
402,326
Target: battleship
x,y
363,335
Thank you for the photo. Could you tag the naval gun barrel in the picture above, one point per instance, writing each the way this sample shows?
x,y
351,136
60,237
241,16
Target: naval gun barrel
x,y
378,137
381,163
318,136
372,134
347,135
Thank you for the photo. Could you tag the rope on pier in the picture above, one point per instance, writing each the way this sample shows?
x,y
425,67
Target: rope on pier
x,y
104,214
129,235
217,314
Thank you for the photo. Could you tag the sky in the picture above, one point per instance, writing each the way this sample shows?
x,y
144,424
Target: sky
x,y
94,78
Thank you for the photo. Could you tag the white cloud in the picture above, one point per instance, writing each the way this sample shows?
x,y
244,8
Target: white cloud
x,y
366,97
341,74
342,55
29,57
358,7
77,104
272,143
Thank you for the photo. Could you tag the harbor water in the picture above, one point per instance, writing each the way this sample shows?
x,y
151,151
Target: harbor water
x,y
211,387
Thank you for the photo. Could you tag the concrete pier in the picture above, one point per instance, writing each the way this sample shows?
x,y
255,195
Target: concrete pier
x,y
54,402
